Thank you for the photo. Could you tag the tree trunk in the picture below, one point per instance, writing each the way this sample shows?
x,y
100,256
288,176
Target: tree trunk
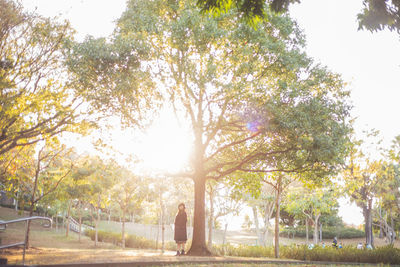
x,y
80,222
96,237
199,246
392,226
224,238
162,223
162,229
269,209
211,218
277,211
266,234
123,227
161,217
307,238
256,223
16,201
28,226
320,232
158,233
32,206
316,229
380,224
368,223
68,219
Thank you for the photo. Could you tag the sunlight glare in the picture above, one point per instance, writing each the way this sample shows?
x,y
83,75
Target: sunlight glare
x,y
165,147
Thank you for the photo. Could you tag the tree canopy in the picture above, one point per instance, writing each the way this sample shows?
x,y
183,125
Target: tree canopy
x,y
37,102
375,16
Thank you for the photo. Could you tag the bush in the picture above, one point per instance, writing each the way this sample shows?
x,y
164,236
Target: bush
x,y
104,236
386,255
131,241
327,232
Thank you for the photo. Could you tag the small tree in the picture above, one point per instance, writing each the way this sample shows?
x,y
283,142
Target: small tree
x,y
44,174
127,191
312,203
223,201
100,182
363,178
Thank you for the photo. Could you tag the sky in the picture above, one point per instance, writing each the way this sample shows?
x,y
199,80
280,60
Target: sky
x,y
368,62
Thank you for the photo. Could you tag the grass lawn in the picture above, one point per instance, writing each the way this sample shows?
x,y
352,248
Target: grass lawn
x,y
253,265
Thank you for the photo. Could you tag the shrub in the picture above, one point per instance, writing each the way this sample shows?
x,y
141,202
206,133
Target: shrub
x,y
386,255
327,232
104,236
131,241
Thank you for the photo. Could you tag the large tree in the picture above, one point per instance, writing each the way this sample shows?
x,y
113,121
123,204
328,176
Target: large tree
x,y
241,90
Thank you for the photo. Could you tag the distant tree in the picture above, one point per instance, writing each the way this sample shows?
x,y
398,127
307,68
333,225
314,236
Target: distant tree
x,y
128,191
43,174
100,181
312,203
37,102
363,178
247,223
387,205
263,204
287,218
76,189
223,201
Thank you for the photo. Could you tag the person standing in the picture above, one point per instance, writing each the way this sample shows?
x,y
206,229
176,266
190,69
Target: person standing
x,y
180,235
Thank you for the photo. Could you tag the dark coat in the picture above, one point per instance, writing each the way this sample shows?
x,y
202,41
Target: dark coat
x,y
180,234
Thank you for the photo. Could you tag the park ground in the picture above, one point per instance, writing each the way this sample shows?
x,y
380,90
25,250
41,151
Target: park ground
x,y
51,246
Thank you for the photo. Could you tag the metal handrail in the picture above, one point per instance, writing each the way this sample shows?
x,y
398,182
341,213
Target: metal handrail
x,y
26,219
26,228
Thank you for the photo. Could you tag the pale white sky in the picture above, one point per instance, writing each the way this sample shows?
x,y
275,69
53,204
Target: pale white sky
x,y
370,63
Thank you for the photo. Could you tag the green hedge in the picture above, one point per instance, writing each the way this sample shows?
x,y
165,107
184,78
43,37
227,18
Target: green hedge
x,y
327,232
104,236
386,254
131,241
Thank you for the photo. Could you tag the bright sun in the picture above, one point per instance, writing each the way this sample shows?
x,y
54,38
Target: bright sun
x,y
166,145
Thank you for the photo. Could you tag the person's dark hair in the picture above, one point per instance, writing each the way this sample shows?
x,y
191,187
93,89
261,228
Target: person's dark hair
x,y
181,204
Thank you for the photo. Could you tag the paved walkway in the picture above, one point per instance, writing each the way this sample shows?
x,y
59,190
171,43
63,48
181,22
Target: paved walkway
x,y
108,257
130,258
